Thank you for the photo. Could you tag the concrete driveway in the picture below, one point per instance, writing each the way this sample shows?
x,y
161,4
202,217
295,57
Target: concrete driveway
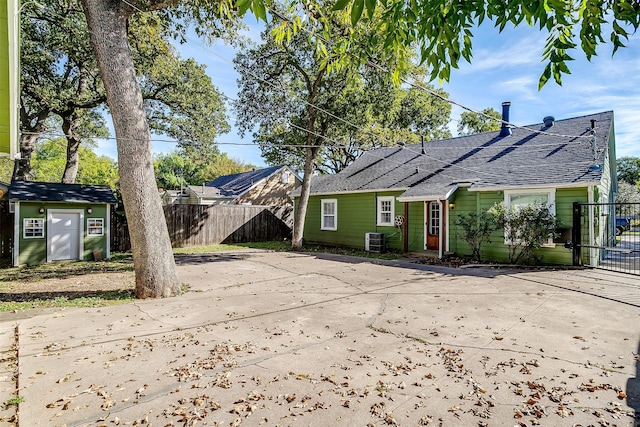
x,y
280,339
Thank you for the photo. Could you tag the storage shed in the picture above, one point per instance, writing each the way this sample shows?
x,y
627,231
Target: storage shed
x,y
55,222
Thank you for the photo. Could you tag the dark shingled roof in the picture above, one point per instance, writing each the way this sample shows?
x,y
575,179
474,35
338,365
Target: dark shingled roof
x,y
236,184
53,192
485,161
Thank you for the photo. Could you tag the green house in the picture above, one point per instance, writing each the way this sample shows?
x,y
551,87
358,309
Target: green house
x,y
55,222
408,198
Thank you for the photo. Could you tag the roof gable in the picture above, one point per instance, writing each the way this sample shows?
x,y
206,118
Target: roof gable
x,y
55,192
528,158
237,184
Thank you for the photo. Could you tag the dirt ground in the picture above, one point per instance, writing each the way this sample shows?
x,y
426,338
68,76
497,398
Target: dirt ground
x,y
84,283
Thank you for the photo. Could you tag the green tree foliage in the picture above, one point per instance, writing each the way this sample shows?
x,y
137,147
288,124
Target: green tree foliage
x,y
628,193
628,170
49,162
526,229
176,170
471,123
301,99
60,76
476,230
444,33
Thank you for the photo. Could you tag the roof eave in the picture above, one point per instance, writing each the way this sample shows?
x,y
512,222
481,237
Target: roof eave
x,y
476,187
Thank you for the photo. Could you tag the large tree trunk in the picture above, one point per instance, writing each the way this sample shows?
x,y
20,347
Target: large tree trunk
x,y
28,138
73,145
152,256
301,208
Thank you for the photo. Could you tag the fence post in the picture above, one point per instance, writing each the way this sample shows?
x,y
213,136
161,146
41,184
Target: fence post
x,y
576,234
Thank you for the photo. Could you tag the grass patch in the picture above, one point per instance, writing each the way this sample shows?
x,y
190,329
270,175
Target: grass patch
x,y
16,400
29,300
189,250
60,270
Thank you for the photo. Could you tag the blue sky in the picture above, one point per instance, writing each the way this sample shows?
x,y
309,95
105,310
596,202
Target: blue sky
x,y
505,67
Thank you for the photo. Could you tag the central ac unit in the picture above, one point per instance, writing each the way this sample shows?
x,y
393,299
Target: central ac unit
x,y
374,242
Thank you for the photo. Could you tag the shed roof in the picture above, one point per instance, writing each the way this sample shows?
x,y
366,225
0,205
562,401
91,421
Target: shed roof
x,y
556,155
54,192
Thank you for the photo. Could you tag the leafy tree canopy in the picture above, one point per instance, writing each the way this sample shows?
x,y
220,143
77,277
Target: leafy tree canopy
x,y
175,170
628,169
471,123
443,30
50,158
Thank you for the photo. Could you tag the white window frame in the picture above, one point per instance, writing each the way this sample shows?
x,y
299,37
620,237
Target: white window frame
x,y
95,226
380,221
284,177
33,226
333,202
551,202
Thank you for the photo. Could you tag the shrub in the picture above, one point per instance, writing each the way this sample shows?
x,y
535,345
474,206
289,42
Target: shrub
x,y
526,228
476,230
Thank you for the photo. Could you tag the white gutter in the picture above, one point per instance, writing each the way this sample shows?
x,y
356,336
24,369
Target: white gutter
x,y
441,234
519,187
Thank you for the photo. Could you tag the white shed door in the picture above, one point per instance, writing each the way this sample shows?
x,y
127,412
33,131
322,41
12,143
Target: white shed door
x,y
64,236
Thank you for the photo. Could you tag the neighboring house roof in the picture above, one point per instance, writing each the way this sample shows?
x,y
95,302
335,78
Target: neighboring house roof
x,y
53,192
485,161
205,191
237,184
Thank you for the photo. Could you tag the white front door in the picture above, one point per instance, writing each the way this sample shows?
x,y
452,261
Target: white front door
x,y
63,235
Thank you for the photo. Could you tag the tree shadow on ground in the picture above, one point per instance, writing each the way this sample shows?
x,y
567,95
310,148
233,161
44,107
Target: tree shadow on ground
x,y
61,271
113,295
195,259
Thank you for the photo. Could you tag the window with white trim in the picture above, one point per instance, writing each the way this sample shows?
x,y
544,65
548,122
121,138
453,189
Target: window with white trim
x,y
515,198
329,214
33,228
95,227
385,210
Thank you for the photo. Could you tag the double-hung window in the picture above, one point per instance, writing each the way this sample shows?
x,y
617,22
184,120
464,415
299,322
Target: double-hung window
x,y
515,198
95,227
385,210
329,214
33,228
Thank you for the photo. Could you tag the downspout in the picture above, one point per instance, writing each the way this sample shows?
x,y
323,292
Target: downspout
x,y
441,233
16,234
108,230
405,231
592,251
448,230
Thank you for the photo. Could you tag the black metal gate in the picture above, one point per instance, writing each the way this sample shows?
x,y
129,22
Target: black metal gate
x,y
607,235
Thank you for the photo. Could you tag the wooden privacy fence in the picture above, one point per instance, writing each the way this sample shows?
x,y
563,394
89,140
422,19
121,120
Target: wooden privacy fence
x,y
196,225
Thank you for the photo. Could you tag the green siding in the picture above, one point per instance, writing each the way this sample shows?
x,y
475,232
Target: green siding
x,y
4,78
34,250
496,250
356,217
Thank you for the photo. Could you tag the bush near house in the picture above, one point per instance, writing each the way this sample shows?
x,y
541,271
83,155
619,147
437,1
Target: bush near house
x,y
476,230
526,229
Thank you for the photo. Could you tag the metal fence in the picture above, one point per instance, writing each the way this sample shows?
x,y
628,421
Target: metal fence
x,y
607,235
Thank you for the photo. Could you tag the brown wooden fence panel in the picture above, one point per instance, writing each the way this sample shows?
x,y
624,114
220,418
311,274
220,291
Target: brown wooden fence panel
x,y
198,225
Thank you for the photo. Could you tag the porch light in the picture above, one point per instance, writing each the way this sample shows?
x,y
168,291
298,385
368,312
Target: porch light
x,y
89,211
452,205
41,210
